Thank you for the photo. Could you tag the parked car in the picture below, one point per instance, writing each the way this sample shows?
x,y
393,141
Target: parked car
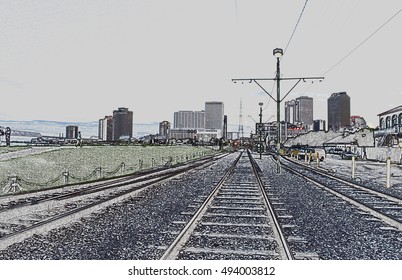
x,y
337,151
313,152
349,155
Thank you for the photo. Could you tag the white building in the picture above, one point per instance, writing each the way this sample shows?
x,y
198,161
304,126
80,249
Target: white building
x,y
105,130
390,129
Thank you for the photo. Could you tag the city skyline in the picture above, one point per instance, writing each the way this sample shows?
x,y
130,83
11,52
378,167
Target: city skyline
x,y
73,61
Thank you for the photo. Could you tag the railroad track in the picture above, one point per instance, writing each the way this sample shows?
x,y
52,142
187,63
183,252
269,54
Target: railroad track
x,y
379,205
235,221
22,216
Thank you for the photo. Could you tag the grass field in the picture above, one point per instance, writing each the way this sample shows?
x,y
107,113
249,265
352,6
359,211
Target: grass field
x,y
46,169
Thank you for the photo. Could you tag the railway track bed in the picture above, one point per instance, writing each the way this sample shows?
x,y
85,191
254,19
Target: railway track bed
x,y
221,211
132,228
331,226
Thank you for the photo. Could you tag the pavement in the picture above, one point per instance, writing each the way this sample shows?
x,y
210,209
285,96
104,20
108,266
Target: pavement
x,y
26,152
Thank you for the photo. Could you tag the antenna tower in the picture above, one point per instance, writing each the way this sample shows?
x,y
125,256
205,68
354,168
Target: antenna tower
x,y
240,131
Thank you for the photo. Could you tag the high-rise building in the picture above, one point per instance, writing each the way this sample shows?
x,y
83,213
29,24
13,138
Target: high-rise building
x,y
71,132
122,123
291,111
189,120
214,115
105,130
305,114
164,128
225,127
338,111
199,125
299,111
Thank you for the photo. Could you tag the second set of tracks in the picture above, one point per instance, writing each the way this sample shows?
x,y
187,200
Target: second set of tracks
x,y
377,203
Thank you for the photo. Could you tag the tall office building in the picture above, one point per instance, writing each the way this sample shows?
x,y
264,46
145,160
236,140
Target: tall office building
x,y
122,123
71,132
291,111
189,120
299,111
225,127
214,112
164,128
105,129
305,114
214,115
338,111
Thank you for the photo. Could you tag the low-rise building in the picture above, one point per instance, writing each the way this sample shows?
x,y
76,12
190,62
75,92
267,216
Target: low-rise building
x,y
389,132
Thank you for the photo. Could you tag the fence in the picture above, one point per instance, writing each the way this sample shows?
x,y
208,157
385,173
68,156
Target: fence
x,y
383,153
17,184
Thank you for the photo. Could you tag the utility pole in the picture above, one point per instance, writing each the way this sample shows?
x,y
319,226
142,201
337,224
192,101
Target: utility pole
x,y
278,53
260,145
240,131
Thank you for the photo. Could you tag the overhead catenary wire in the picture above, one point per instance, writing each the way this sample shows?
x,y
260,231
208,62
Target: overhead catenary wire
x,y
237,15
363,42
297,24
290,40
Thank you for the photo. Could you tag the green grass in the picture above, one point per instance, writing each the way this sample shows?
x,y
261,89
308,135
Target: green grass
x,y
36,171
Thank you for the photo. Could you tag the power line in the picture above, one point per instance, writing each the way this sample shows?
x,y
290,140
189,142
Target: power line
x,y
358,46
237,15
297,23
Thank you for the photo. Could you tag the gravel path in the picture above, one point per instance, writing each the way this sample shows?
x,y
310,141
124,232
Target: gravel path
x,y
26,152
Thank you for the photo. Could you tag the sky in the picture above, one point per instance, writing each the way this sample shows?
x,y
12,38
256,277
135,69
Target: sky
x,y
79,60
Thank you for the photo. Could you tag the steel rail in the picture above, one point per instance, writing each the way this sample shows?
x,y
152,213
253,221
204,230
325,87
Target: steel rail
x,y
383,217
352,184
172,251
20,235
113,182
285,250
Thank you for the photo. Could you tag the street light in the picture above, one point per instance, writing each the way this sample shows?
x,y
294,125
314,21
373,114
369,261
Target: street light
x,y
278,53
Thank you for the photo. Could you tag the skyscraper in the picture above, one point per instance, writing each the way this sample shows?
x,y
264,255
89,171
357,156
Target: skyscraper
x,y
338,111
71,132
305,110
189,119
122,123
164,128
105,130
291,111
299,111
214,115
